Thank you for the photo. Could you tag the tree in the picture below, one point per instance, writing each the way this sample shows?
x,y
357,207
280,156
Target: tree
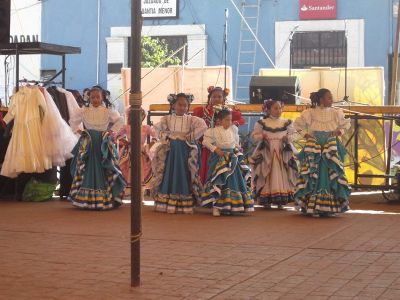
x,y
155,51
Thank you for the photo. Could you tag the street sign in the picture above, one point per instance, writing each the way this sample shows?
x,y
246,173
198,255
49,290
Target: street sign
x,y
160,8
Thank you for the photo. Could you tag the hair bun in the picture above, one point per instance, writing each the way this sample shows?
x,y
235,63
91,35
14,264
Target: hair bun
x,y
171,98
210,89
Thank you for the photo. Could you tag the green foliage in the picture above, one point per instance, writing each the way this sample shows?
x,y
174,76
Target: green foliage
x,y
155,51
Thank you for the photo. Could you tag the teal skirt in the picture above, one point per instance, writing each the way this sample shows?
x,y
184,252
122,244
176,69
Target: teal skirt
x,y
98,183
228,183
322,186
176,166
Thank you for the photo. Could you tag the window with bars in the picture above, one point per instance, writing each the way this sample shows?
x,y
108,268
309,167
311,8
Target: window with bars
x,y
318,49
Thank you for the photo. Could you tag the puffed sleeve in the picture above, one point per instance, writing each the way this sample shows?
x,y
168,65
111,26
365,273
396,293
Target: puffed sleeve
x,y
116,119
237,118
343,123
236,136
257,134
76,119
303,122
198,128
209,140
161,128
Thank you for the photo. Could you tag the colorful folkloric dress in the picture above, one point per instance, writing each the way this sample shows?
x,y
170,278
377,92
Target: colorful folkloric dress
x,y
274,168
98,182
228,181
207,114
175,184
322,187
125,155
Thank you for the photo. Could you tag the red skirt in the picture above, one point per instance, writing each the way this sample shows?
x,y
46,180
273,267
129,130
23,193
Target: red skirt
x,y
205,154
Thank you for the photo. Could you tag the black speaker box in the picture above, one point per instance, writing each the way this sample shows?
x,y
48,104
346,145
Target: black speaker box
x,y
5,8
276,88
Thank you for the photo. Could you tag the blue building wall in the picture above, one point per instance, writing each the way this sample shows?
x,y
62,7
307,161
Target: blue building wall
x,y
74,23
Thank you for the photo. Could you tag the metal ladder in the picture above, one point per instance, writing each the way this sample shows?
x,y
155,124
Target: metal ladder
x,y
247,49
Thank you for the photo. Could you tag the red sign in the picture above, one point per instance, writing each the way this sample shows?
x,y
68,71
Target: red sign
x,y
318,9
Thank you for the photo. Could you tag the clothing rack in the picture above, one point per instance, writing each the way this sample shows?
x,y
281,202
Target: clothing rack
x,y
37,48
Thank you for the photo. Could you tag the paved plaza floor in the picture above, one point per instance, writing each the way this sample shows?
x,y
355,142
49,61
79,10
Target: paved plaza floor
x,y
54,251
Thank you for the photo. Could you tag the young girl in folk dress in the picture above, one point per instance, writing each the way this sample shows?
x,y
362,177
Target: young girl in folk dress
x,y
175,184
98,183
227,181
125,151
322,189
274,169
216,97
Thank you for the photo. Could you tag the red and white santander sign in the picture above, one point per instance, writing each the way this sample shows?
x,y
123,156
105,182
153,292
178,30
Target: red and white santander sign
x,y
318,9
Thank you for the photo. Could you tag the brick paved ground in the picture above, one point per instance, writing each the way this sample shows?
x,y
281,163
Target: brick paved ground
x,y
52,251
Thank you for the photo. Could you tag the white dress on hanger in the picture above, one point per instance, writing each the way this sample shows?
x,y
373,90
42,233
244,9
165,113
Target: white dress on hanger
x,y
27,151
59,137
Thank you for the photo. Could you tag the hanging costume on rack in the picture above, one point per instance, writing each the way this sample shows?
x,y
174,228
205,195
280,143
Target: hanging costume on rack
x,y
72,109
40,137
98,183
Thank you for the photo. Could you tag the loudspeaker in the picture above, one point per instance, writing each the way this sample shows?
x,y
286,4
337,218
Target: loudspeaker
x,y
276,88
5,8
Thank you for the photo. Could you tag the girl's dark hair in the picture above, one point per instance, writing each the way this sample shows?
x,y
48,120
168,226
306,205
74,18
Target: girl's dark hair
x,y
172,99
212,90
317,96
86,90
222,114
103,94
267,107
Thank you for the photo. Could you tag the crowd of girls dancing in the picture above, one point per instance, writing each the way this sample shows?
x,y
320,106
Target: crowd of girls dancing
x,y
196,160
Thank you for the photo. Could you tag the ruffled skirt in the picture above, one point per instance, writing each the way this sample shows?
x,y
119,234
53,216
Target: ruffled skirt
x,y
98,183
322,186
274,173
175,185
228,183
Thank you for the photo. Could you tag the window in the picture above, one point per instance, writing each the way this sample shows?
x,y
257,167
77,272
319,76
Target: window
x,y
174,43
318,49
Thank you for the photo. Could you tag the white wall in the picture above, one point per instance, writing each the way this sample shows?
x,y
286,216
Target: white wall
x,y
25,20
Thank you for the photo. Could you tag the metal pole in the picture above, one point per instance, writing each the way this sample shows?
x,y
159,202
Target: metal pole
x,y
63,71
395,64
393,93
135,100
291,58
17,68
226,46
356,163
183,70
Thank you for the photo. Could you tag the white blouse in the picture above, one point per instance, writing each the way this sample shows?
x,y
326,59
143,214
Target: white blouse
x,y
222,138
97,118
274,128
327,119
184,127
